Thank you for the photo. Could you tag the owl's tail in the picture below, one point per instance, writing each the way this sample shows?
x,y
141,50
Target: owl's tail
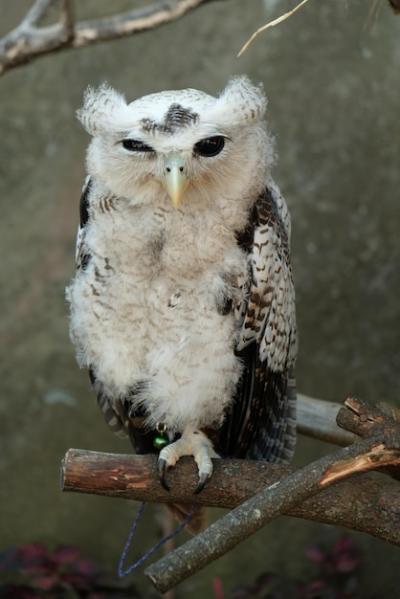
x,y
195,516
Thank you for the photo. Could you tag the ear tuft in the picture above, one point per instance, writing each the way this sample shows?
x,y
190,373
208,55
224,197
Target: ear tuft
x,y
246,100
99,109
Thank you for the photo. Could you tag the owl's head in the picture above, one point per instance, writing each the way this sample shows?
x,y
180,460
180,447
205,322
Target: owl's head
x,y
184,144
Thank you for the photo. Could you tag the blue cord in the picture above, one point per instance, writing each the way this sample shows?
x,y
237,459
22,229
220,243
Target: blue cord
x,y
122,571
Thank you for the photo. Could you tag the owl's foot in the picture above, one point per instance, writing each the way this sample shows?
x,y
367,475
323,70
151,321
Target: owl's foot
x,y
193,443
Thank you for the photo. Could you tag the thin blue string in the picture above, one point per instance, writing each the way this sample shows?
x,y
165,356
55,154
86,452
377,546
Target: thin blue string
x,y
122,571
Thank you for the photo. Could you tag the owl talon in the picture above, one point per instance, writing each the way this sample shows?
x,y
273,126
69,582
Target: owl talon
x,y
162,470
203,480
192,443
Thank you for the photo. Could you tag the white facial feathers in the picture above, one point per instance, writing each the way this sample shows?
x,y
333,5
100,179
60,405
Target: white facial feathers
x,y
174,122
101,109
106,111
241,102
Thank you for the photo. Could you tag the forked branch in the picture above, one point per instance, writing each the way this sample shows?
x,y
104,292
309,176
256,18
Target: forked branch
x,y
274,500
319,491
29,39
369,504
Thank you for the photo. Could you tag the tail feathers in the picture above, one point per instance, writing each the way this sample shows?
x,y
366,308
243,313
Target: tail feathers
x,y
113,413
289,439
275,439
181,512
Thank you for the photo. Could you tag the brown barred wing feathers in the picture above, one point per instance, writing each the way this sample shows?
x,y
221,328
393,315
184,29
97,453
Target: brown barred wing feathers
x,y
261,424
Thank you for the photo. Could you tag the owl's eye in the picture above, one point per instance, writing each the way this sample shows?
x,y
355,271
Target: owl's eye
x,y
211,146
134,145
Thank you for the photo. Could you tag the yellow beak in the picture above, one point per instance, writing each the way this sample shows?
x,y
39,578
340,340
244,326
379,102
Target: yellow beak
x,y
175,178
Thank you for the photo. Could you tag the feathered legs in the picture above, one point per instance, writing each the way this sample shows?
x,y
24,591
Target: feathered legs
x,y
193,443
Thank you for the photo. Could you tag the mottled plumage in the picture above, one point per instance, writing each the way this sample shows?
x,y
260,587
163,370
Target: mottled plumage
x,y
183,311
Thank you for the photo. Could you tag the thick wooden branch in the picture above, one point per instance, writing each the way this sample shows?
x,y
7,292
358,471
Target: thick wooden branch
x,y
364,419
328,421
368,504
274,500
317,418
380,450
364,503
28,41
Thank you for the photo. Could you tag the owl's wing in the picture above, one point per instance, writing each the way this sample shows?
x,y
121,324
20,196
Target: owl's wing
x,y
262,423
81,255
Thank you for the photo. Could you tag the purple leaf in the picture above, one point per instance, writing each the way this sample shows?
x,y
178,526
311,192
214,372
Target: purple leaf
x,y
343,543
218,588
347,563
65,554
315,554
85,567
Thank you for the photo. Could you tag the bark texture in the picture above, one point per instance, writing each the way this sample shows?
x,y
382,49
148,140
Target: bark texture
x,y
262,491
274,500
367,503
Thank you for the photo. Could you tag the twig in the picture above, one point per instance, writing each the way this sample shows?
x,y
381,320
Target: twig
x,y
134,21
67,17
36,12
274,500
28,41
270,24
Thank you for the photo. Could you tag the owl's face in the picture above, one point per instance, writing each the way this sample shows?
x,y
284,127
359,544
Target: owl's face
x,y
181,146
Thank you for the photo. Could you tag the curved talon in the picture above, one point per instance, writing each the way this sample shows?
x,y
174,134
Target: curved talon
x,y
162,470
203,479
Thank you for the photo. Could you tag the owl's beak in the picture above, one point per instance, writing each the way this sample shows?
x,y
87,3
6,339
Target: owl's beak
x,y
175,179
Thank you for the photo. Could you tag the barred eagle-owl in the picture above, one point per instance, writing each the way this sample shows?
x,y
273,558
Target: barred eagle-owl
x,y
182,306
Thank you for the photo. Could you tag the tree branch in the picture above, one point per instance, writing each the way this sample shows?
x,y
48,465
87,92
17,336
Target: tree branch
x,y
317,418
365,420
369,504
134,21
36,12
28,41
276,499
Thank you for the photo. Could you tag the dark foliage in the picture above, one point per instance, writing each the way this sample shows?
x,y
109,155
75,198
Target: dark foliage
x,y
337,577
34,572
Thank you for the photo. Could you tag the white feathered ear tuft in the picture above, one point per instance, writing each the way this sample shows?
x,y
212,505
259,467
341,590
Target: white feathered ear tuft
x,y
244,100
101,108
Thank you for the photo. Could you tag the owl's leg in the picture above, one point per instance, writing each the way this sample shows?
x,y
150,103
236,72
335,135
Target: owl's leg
x,y
193,443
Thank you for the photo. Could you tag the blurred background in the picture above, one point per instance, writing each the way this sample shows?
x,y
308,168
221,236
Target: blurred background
x,y
332,76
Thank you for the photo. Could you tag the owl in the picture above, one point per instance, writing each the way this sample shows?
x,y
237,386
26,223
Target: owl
x,y
182,308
